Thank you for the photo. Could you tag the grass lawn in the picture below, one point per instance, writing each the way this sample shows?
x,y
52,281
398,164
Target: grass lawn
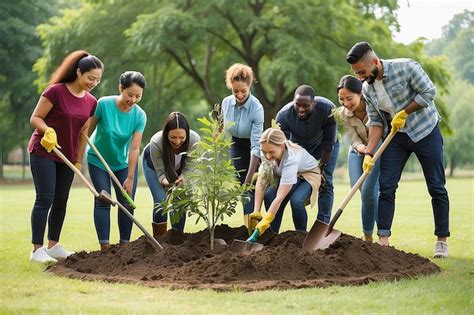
x,y
25,288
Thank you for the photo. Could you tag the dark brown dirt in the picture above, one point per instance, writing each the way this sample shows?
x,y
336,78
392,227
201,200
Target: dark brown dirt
x,y
186,262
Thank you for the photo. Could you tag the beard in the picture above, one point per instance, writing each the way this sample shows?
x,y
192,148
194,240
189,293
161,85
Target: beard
x,y
374,74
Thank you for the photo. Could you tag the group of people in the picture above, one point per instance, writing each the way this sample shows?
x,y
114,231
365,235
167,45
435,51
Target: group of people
x,y
295,158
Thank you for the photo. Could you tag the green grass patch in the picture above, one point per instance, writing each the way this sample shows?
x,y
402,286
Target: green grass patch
x,y
25,288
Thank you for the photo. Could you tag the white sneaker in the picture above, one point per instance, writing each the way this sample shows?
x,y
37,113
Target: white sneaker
x,y
41,256
441,250
58,252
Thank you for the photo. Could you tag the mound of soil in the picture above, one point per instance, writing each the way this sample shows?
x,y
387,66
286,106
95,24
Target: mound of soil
x,y
186,262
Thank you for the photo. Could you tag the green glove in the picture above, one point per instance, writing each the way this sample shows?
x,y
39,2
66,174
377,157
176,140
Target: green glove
x,y
264,224
398,120
368,164
254,218
49,140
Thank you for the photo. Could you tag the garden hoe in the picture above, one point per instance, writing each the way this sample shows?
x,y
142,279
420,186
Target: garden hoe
x,y
322,235
111,174
105,196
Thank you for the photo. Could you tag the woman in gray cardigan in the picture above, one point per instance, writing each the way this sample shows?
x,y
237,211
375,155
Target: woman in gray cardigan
x,y
164,165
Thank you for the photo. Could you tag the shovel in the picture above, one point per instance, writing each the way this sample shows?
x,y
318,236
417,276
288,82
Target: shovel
x,y
322,235
105,196
111,174
250,245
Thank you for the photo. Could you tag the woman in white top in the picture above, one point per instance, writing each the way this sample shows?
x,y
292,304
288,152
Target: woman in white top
x,y
298,179
354,116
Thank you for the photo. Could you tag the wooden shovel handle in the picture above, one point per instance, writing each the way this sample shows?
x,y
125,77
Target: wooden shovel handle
x,y
101,158
78,172
361,179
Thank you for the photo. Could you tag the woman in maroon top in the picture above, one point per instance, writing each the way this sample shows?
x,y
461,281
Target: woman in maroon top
x,y
60,117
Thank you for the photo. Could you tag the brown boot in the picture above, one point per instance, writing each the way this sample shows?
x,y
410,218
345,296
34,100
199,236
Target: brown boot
x,y
368,238
159,229
104,246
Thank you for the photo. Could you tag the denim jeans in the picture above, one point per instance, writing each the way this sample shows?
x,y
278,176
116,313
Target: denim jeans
x,y
240,154
159,194
297,197
52,182
101,180
429,152
369,190
326,191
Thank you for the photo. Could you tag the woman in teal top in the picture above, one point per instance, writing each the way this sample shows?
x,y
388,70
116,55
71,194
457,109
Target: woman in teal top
x,y
120,123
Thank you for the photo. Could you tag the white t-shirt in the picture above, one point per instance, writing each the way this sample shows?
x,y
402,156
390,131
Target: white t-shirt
x,y
385,103
294,161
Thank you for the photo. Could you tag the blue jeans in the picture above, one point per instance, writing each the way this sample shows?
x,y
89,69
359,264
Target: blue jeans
x,y
159,194
101,181
240,154
429,152
297,197
52,182
326,190
369,190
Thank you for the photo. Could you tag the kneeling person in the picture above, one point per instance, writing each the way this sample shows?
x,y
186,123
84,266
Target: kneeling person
x,y
299,179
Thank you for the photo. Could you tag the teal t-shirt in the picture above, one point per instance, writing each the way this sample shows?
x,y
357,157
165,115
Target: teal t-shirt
x,y
114,133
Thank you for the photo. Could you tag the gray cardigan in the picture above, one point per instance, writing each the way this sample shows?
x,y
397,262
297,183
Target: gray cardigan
x,y
156,152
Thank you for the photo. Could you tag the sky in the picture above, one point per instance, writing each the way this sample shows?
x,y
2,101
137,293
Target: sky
x,y
425,18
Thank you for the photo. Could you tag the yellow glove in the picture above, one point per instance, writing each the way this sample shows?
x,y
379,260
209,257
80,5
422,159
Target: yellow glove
x,y
49,140
78,165
398,120
254,218
368,164
264,224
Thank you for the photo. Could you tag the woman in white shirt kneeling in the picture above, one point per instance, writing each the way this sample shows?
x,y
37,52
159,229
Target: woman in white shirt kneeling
x,y
288,174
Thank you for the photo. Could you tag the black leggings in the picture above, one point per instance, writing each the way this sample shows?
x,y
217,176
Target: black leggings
x,y
52,184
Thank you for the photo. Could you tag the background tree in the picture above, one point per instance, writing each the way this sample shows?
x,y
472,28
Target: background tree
x,y
456,45
460,146
185,46
19,49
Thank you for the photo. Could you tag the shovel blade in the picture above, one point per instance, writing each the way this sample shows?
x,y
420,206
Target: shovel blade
x,y
317,238
245,248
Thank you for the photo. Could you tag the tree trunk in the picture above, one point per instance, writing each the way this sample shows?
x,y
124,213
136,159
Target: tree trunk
x,y
452,166
211,234
24,160
2,176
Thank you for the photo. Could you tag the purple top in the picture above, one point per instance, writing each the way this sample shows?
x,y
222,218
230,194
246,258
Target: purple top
x,y
67,117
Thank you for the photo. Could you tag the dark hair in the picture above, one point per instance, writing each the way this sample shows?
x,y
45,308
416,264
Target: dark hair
x,y
351,83
79,59
174,120
129,77
305,90
358,51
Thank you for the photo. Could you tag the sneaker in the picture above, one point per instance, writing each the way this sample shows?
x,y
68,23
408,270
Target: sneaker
x,y
441,250
41,256
58,252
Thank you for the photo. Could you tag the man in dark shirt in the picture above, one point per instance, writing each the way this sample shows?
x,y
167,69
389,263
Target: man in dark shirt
x,y
307,121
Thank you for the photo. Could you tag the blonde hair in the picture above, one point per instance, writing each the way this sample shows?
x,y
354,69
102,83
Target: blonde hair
x,y
275,136
239,72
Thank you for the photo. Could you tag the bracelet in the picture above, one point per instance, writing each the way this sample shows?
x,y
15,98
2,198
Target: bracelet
x,y
369,154
322,166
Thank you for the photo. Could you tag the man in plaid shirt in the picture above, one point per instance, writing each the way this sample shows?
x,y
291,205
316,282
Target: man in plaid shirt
x,y
400,94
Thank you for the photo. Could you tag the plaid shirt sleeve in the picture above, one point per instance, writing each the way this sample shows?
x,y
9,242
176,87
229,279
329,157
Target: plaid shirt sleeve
x,y
419,81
